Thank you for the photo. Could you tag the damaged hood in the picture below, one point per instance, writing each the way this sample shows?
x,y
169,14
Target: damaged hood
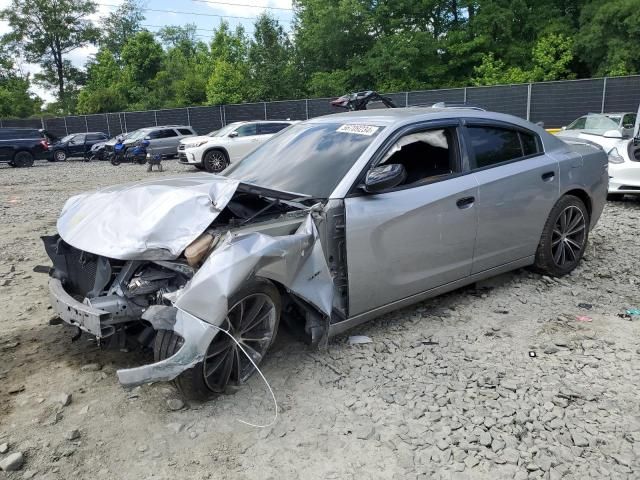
x,y
154,220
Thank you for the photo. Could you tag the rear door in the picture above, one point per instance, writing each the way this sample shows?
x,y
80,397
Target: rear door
x,y
517,187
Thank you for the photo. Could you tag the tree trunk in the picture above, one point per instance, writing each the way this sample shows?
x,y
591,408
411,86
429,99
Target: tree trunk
x,y
59,70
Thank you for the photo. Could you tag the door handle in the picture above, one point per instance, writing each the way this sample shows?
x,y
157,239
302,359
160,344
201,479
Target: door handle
x,y
465,202
548,176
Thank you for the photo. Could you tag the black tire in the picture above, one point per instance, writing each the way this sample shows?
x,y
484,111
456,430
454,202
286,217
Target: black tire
x,y
215,161
192,383
23,159
564,237
59,156
615,197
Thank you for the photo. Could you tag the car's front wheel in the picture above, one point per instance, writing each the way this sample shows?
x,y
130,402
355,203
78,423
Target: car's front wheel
x,y
215,161
252,320
564,237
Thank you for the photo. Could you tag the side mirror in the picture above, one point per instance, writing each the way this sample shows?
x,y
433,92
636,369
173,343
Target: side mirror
x,y
384,177
612,134
233,135
148,137
563,128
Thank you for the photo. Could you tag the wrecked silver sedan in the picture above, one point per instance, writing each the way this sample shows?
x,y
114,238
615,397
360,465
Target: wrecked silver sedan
x,y
334,221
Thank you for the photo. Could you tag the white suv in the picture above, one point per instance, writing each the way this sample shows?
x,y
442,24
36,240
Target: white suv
x,y
216,150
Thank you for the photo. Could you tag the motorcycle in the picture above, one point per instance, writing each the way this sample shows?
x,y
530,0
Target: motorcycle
x,y
136,154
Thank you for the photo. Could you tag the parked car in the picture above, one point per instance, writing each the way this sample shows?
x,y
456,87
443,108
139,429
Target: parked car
x,y
163,140
623,153
336,220
76,145
19,147
216,150
623,121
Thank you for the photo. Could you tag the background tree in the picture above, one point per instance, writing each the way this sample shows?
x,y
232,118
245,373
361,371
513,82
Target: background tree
x,y
47,30
15,98
120,25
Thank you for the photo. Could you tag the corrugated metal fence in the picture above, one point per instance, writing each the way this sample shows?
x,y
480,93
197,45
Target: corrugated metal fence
x,y
554,103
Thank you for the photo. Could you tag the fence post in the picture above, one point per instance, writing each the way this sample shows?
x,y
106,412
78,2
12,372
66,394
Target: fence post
x,y
529,102
221,115
86,125
155,117
106,117
120,115
406,99
188,117
604,94
306,107
65,126
465,94
41,123
265,109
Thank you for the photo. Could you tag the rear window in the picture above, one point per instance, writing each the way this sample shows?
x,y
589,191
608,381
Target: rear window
x,y
494,145
185,131
95,136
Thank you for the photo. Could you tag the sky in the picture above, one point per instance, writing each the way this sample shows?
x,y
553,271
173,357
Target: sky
x,y
205,14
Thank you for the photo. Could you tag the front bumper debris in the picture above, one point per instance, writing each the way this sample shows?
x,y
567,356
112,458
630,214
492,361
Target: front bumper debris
x,y
196,335
74,312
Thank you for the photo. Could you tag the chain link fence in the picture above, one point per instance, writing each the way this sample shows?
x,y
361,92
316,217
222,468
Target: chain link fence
x,y
553,103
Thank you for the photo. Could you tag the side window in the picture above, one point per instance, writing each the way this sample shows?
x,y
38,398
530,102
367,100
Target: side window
x,y
154,134
168,133
185,131
530,144
492,145
246,130
427,155
77,140
629,120
268,128
92,137
579,124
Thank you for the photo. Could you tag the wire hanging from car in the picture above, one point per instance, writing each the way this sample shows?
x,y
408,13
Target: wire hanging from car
x,y
273,396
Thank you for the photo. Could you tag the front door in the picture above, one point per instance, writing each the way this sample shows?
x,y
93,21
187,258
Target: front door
x,y
245,141
75,146
518,186
419,235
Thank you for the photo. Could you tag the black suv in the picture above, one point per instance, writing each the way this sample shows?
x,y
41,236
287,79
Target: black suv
x,y
76,145
19,147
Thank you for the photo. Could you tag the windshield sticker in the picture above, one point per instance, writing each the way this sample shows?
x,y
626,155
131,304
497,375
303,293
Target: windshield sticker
x,y
367,130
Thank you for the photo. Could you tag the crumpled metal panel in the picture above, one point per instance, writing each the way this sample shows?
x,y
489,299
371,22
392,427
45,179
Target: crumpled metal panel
x,y
295,261
153,220
197,336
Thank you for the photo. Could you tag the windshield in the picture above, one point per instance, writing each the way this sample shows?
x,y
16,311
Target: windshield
x,y
594,124
223,131
138,134
307,158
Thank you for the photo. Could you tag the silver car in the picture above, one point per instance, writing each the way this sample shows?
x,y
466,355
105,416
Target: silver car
x,y
162,139
332,222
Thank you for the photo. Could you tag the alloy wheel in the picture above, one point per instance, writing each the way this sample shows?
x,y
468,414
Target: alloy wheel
x,y
568,237
252,323
216,161
61,156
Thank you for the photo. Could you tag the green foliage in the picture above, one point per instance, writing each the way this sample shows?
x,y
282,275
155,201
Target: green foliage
x,y
45,31
15,98
120,25
336,46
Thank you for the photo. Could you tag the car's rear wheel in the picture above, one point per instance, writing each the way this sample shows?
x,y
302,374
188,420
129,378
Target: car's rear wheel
x,y
253,319
60,155
215,161
23,159
564,237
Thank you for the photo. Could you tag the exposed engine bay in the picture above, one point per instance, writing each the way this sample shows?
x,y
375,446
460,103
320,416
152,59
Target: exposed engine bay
x,y
125,301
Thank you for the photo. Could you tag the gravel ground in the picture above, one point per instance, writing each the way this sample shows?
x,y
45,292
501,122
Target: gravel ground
x,y
447,389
